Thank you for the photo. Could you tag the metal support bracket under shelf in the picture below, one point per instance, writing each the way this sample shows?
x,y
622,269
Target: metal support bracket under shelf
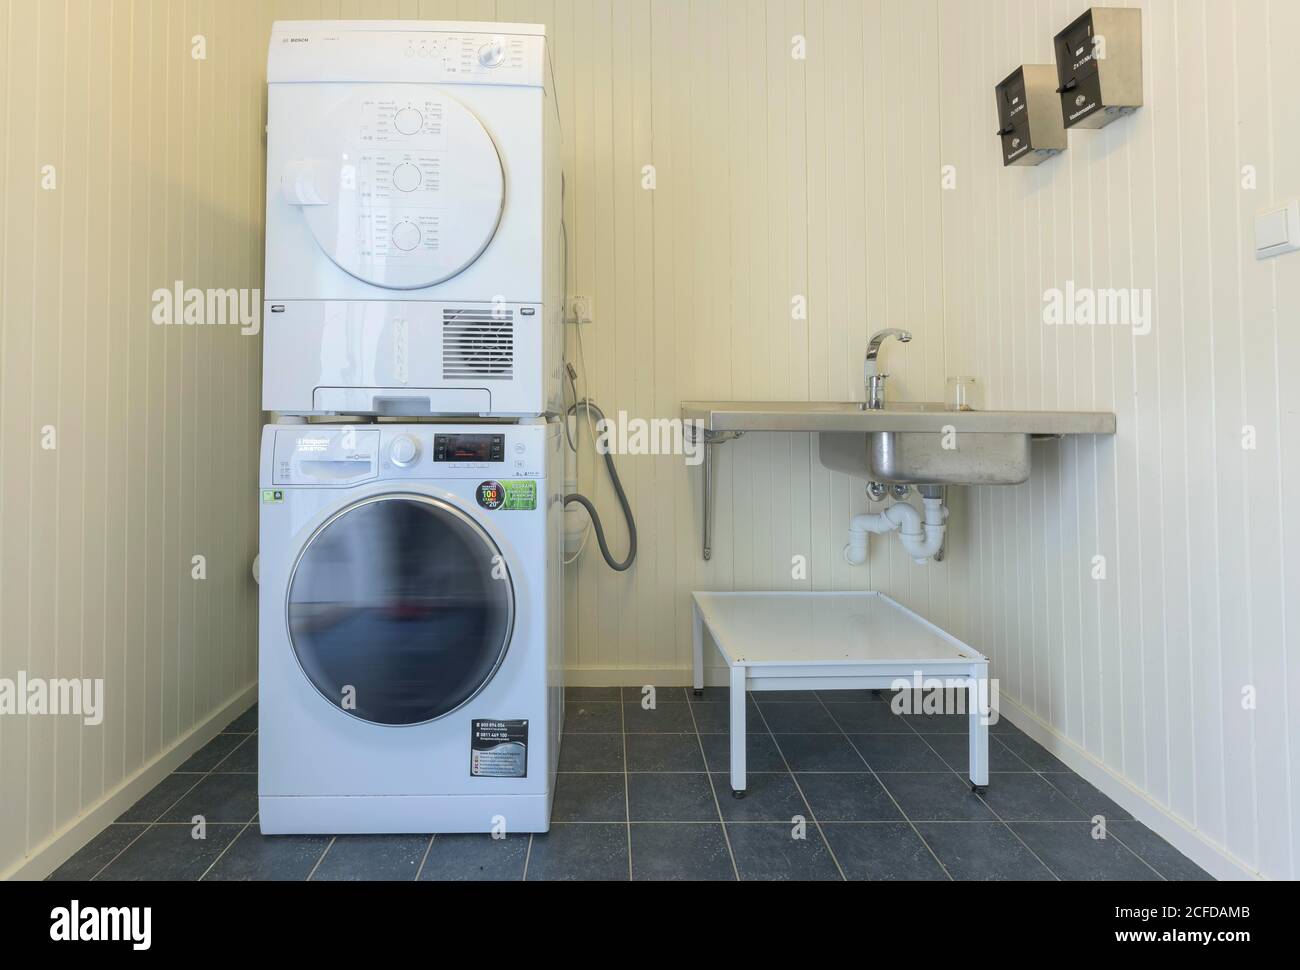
x,y
711,439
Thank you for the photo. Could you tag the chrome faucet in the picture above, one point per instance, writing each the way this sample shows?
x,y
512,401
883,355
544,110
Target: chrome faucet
x,y
874,380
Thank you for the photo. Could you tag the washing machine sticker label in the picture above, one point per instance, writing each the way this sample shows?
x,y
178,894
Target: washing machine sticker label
x,y
514,496
499,749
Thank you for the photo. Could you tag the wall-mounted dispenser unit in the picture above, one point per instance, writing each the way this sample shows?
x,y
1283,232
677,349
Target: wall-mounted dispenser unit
x,y
1029,121
1099,67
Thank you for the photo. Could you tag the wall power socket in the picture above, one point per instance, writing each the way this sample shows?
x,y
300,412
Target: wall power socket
x,y
579,309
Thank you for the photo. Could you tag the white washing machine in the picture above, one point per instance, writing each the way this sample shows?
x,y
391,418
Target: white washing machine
x,y
413,241
410,627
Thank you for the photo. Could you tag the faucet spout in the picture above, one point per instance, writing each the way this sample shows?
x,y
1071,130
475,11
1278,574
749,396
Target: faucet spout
x,y
871,376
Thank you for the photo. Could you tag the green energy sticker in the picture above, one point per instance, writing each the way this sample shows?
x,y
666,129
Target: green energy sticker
x,y
272,496
516,496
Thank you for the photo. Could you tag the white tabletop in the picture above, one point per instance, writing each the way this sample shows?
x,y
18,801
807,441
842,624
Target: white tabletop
x,y
824,628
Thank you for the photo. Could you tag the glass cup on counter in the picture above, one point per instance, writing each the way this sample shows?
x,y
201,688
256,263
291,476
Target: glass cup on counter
x,y
961,394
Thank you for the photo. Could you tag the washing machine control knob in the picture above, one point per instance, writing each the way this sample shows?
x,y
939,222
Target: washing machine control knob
x,y
404,450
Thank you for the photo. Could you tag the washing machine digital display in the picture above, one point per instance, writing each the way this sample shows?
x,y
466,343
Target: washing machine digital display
x,y
469,447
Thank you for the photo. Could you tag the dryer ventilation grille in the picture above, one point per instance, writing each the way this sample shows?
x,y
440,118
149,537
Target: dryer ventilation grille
x,y
478,344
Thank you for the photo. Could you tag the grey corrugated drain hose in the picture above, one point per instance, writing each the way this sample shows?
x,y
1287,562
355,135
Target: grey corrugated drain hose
x,y
586,503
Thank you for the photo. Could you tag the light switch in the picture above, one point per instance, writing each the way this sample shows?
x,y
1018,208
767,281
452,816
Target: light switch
x,y
1277,231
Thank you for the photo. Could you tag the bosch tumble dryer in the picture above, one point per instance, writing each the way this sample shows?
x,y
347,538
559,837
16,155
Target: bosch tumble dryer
x,y
413,241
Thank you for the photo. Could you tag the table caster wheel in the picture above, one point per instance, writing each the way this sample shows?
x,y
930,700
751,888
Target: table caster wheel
x,y
698,691
980,789
737,794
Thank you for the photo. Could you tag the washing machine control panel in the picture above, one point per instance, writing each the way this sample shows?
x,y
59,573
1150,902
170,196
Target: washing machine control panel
x,y
351,455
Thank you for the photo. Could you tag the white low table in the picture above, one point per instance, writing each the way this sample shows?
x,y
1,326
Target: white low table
x,y
833,641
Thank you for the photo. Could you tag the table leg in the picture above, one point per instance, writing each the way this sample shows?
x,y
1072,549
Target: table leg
x,y
977,695
738,697
697,675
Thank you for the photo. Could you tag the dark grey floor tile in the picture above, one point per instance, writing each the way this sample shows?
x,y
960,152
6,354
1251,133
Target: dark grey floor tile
x,y
579,852
212,753
254,856
170,853
475,858
897,752
162,797
716,719
593,717
589,797
680,851
939,723
1088,798
1027,797
768,798
218,798
1156,852
573,695
798,718
664,752
243,760
760,752
97,853
246,723
820,752
955,751
848,797
1071,852
671,798
1031,752
784,696
939,797
372,858
867,717
662,695
882,851
1003,726
591,752
982,851
664,719
766,851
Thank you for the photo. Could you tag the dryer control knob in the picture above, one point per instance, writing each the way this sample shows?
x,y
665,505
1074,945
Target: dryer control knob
x,y
408,121
406,236
406,177
492,54
404,450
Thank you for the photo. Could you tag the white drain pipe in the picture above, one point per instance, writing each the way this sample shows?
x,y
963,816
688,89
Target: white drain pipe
x,y
922,537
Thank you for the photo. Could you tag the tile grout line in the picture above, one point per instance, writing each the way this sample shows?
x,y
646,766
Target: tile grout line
x,y
883,787
528,853
425,858
226,849
322,858
799,788
699,743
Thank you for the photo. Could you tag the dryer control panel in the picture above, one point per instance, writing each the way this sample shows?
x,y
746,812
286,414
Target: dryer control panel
x,y
410,51
350,455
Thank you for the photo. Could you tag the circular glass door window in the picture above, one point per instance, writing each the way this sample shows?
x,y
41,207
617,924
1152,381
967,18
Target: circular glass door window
x,y
400,609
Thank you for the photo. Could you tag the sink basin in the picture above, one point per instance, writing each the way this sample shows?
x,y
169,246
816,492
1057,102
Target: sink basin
x,y
921,458
904,443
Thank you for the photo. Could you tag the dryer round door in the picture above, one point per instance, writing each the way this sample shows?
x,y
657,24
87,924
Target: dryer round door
x,y
400,609
403,187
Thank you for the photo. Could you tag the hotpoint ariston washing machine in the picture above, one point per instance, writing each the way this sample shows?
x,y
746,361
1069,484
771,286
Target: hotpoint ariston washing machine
x,y
413,206
410,603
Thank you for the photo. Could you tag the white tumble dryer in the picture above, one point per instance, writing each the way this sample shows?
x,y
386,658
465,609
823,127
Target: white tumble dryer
x,y
413,204
410,627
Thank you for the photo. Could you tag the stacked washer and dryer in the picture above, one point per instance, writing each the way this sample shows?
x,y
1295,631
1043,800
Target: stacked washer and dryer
x,y
411,487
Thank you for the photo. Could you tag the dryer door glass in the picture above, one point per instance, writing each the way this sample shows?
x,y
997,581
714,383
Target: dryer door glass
x,y
400,609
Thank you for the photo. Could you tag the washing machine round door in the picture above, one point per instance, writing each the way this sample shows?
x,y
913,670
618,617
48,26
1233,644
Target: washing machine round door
x,y
402,186
400,609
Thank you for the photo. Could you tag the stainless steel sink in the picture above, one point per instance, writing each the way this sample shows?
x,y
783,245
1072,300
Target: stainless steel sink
x,y
928,457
